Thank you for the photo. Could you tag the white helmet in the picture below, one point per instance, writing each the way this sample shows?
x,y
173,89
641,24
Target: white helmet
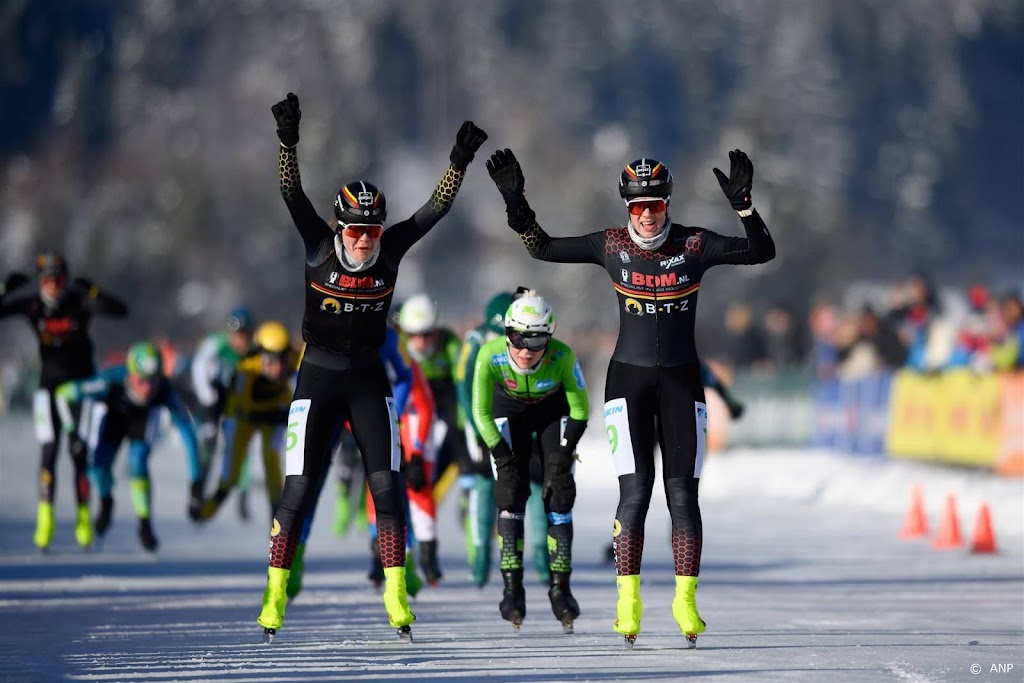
x,y
530,313
418,315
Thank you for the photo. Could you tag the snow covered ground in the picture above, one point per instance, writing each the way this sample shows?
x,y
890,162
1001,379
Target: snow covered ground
x,y
804,578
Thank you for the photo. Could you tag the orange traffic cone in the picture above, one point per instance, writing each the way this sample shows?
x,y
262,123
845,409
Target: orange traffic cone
x,y
984,540
949,527
916,523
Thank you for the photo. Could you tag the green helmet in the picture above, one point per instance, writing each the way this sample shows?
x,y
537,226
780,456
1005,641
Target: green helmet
x,y
495,312
144,361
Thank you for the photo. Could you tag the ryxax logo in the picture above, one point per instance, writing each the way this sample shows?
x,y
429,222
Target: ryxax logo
x,y
675,260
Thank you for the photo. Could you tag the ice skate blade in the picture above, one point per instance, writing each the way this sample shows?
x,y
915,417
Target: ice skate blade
x,y
517,625
404,634
567,628
628,640
691,641
268,635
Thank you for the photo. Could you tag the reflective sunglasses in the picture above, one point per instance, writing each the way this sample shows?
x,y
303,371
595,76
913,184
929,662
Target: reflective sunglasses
x,y
355,231
655,205
536,341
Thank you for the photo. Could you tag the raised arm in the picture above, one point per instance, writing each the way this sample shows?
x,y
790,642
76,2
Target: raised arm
x,y
99,301
312,228
507,175
758,246
403,235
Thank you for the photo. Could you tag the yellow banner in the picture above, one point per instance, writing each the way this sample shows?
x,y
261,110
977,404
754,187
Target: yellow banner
x,y
970,425
914,416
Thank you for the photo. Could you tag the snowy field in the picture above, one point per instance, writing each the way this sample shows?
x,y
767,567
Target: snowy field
x,y
804,578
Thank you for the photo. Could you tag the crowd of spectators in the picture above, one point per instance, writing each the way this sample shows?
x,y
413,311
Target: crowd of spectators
x,y
910,325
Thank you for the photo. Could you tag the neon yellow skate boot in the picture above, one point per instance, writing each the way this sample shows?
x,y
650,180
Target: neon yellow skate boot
x,y
684,609
275,599
342,512
83,527
629,608
44,526
396,599
295,574
413,582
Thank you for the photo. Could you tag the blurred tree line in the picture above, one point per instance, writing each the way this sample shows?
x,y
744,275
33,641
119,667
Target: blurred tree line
x,y
137,138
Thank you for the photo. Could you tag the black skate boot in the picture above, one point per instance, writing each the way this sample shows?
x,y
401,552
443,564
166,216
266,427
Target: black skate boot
x,y
513,599
146,536
428,561
563,604
376,573
102,522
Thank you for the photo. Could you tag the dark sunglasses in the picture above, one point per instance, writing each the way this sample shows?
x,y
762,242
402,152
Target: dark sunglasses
x,y
357,231
537,341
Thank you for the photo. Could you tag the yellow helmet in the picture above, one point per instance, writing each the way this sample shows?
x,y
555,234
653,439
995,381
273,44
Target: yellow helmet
x,y
273,337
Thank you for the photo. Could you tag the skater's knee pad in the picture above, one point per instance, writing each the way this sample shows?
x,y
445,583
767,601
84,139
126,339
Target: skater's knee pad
x,y
77,447
49,456
682,501
298,490
387,499
634,497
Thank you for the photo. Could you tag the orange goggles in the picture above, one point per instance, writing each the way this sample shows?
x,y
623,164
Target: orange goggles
x,y
655,205
356,231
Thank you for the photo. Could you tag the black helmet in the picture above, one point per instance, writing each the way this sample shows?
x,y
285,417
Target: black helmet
x,y
645,178
360,202
51,263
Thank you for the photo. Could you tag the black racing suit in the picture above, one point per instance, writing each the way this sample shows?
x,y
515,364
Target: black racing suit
x,y
342,376
66,353
654,384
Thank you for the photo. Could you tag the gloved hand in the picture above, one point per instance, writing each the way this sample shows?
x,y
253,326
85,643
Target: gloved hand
x,y
83,282
507,174
559,489
741,177
195,501
13,281
467,142
287,114
415,472
507,486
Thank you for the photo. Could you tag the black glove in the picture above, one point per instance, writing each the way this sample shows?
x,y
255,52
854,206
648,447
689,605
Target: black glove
x,y
559,490
506,488
83,282
741,177
415,473
507,174
195,501
13,281
467,142
287,114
